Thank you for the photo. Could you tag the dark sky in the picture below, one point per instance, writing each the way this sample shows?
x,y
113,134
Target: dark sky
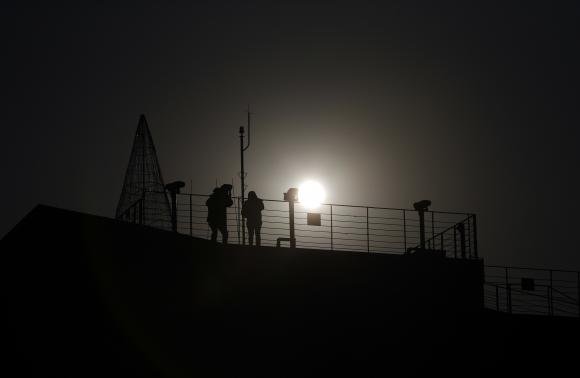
x,y
474,106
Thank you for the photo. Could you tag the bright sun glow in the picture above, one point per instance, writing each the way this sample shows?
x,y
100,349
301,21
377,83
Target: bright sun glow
x,y
311,194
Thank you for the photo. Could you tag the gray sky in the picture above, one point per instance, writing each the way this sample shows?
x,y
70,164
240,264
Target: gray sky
x,y
472,106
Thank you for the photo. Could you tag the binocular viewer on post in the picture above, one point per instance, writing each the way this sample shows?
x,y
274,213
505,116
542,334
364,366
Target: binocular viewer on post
x,y
422,205
291,195
175,186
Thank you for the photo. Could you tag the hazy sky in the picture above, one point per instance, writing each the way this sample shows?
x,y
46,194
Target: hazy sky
x,y
474,107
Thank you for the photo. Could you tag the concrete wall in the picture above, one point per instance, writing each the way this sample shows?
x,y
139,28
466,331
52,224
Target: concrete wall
x,y
85,291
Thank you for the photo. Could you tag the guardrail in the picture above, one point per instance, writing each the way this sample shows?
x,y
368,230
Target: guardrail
x,y
134,213
387,230
342,227
520,290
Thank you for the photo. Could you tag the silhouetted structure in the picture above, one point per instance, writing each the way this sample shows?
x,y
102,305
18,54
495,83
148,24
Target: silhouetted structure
x,y
87,296
217,205
243,172
291,196
422,207
174,188
143,195
252,211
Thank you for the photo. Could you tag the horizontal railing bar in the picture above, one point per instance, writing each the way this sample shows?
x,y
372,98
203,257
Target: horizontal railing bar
x,y
336,205
531,268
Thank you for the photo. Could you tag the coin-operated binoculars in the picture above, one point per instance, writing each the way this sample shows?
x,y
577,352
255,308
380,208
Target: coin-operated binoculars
x,y
421,207
173,188
291,196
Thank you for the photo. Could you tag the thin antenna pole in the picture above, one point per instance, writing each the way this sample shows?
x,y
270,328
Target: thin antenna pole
x,y
249,123
243,173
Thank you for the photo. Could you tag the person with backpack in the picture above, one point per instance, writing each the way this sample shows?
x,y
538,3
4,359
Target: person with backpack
x,y
217,205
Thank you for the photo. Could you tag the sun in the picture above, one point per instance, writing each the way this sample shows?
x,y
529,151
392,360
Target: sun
x,y
311,194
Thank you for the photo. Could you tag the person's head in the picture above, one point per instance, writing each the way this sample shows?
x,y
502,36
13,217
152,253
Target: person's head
x,y
252,195
226,189
216,191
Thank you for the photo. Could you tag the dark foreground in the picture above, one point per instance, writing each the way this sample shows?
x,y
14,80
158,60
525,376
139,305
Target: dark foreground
x,y
89,296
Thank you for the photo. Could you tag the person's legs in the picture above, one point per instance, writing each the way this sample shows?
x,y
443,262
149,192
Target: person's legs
x,y
224,231
214,231
251,234
258,238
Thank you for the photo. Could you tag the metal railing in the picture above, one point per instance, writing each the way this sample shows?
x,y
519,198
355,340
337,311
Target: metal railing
x,y
519,290
390,230
460,238
342,227
134,213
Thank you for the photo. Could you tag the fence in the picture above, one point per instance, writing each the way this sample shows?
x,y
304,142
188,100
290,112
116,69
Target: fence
x,y
520,290
388,230
342,227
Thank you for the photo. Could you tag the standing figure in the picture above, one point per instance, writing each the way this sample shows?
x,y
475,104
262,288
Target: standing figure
x,y
217,205
252,211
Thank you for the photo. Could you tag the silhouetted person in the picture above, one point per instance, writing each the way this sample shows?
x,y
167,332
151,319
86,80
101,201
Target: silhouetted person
x,y
217,205
252,211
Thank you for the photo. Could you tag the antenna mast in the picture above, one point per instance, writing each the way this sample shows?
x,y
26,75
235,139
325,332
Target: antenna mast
x,y
243,173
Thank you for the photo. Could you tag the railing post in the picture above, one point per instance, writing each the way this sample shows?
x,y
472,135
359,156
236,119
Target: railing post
x,y
475,236
578,293
509,298
190,215
141,215
331,231
404,231
497,298
292,232
173,211
442,242
368,238
469,235
291,220
455,241
433,227
238,216
508,292
550,295
461,229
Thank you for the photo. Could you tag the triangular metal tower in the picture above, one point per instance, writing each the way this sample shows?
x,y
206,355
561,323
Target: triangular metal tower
x,y
143,193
